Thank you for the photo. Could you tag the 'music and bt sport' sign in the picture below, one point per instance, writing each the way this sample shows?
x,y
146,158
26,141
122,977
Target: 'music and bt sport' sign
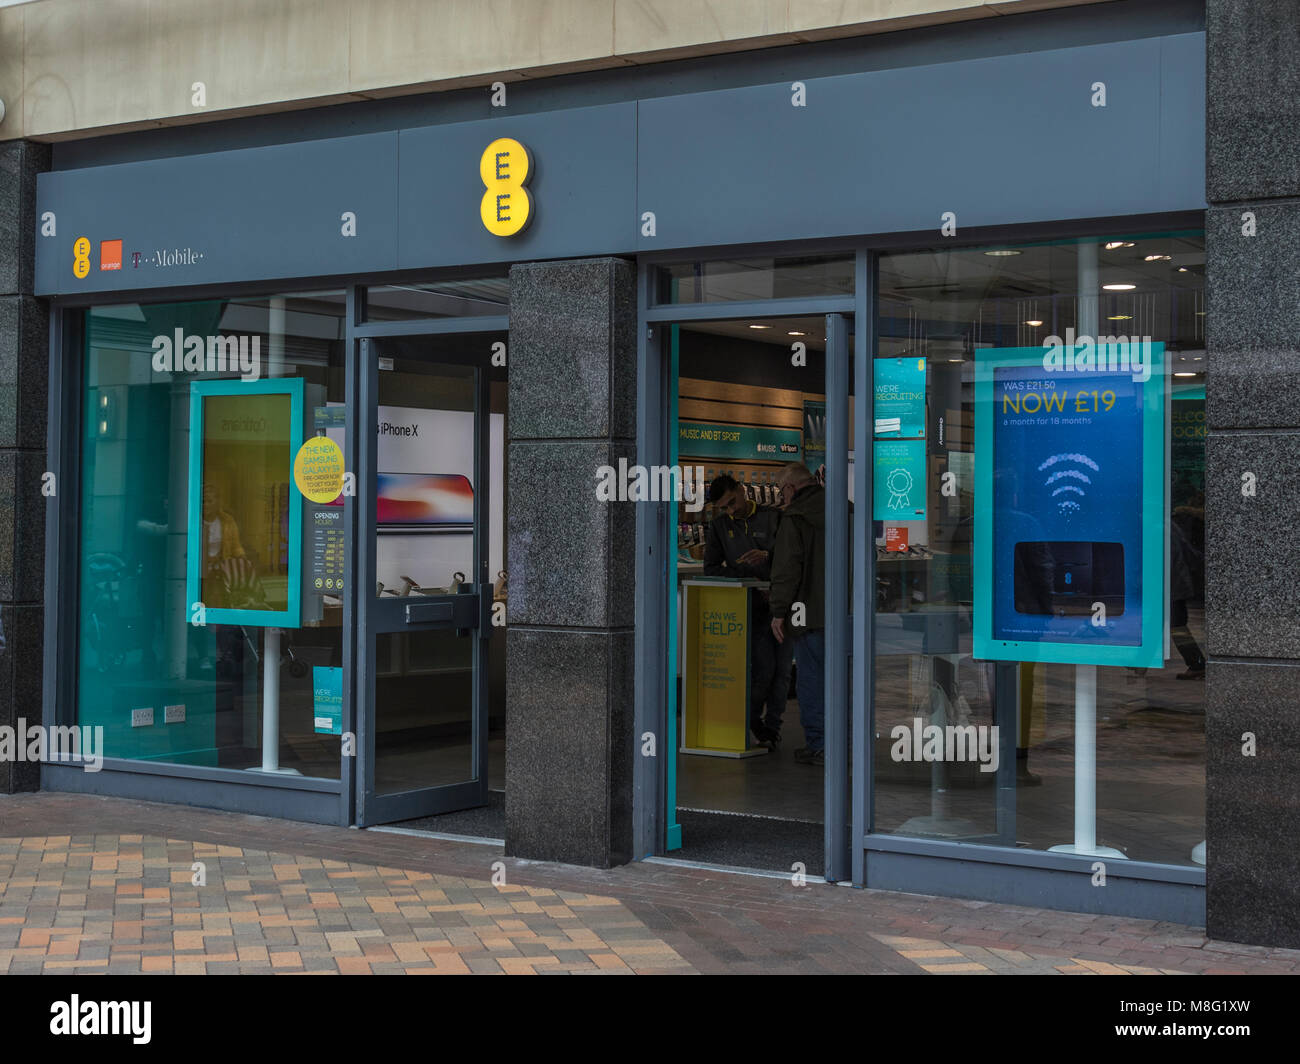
x,y
1069,536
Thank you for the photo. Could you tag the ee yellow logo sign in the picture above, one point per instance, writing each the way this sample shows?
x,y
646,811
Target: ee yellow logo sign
x,y
81,258
507,206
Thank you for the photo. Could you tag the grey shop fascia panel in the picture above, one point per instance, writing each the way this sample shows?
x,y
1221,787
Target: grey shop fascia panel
x,y
995,141
1002,140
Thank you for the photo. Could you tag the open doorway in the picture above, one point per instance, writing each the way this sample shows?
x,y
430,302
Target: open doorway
x,y
748,769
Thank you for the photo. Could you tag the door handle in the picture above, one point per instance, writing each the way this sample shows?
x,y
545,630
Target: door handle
x,y
459,611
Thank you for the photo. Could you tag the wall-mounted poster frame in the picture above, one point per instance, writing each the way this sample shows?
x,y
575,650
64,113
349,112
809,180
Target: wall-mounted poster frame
x,y
200,393
1133,513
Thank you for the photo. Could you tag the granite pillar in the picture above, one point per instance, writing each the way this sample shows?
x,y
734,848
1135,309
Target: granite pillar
x,y
24,376
1252,456
569,656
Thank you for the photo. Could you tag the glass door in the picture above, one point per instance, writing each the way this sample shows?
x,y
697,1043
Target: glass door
x,y
424,575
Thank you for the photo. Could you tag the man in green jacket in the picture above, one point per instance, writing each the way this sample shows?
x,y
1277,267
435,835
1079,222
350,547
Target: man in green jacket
x,y
798,599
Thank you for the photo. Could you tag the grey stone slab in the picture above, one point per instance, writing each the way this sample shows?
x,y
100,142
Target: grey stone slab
x,y
21,660
573,350
572,560
1253,804
568,746
1252,102
22,527
1252,318
1252,593
20,162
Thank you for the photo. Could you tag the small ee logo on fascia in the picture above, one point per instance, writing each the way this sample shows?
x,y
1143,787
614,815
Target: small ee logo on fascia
x,y
507,206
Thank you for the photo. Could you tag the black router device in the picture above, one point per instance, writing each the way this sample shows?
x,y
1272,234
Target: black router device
x,y
1065,579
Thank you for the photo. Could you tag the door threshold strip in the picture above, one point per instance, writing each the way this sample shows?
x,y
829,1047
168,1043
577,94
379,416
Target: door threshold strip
x,y
755,816
761,873
446,836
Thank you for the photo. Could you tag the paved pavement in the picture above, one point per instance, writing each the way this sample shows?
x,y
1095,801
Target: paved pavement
x,y
90,884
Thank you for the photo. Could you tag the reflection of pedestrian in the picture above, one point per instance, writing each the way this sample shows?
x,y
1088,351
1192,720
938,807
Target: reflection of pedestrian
x,y
1185,561
799,579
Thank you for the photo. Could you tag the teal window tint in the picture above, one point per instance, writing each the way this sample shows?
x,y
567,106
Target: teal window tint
x,y
138,654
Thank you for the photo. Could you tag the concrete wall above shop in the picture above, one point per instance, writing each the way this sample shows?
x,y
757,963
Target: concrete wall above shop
x,y
72,68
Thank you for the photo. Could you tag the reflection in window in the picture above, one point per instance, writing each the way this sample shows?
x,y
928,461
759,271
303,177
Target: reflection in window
x,y
941,315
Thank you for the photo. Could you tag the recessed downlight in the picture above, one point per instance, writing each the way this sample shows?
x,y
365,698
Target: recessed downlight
x,y
795,333
1034,322
1116,244
760,326
1157,258
1116,288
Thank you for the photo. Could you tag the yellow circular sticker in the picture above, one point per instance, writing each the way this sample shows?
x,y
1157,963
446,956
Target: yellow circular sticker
x,y
318,469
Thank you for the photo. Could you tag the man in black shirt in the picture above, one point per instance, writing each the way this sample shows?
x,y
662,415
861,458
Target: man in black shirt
x,y
739,543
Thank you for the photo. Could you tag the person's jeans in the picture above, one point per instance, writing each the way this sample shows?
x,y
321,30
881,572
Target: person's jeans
x,y
769,677
810,685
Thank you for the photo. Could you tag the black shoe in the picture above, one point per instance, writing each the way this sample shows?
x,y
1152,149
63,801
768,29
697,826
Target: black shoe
x,y
810,757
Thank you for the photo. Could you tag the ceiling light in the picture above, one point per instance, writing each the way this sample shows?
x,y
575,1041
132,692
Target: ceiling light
x,y
1113,244
796,334
956,360
1119,317
1001,253
1034,322
1200,313
1196,358
1111,288
1156,258
760,326
1184,374
1182,269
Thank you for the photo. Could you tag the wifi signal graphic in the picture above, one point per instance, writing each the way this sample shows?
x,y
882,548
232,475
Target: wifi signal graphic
x,y
1066,482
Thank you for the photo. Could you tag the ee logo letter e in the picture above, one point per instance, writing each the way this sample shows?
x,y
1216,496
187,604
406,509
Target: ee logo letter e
x,y
507,206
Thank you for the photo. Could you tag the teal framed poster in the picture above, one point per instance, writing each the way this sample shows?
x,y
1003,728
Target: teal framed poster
x,y
244,550
1070,504
899,390
899,480
327,699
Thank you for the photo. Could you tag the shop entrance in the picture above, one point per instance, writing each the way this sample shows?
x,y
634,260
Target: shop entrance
x,y
760,752
431,583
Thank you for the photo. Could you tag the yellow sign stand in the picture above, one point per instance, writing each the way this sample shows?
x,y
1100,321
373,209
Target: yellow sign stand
x,y
715,669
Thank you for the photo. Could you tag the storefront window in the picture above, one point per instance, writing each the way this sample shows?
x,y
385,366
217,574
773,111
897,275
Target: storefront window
x,y
1039,530
724,280
211,585
477,297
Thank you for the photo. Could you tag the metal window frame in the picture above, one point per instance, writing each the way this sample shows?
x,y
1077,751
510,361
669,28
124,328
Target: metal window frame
x,y
1184,885
310,799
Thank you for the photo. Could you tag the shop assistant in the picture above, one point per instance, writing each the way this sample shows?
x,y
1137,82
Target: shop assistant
x,y
740,539
739,544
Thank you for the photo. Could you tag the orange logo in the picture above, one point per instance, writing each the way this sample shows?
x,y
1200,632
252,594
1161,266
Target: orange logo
x,y
110,254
